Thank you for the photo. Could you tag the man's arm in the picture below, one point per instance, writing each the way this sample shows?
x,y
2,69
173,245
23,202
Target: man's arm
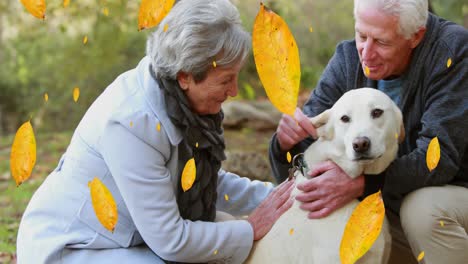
x,y
334,81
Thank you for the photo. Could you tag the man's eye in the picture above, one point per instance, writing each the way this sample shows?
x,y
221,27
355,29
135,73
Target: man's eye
x,y
376,113
345,119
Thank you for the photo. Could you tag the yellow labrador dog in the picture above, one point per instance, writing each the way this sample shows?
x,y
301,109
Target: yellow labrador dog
x,y
360,133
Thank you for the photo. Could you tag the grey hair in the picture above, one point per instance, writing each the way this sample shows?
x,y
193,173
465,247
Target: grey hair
x,y
198,32
412,14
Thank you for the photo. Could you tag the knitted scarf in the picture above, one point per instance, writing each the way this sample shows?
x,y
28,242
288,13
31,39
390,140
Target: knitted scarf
x,y
203,140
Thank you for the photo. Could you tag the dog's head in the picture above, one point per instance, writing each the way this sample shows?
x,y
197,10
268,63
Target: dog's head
x,y
366,125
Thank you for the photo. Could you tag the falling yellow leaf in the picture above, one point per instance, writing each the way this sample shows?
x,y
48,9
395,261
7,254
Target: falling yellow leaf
x,y
433,154
215,252
76,94
188,175
214,64
105,11
396,135
85,40
421,256
277,60
104,204
23,153
46,97
449,62
362,229
35,7
131,124
66,3
152,12
166,27
291,231
288,157
442,223
311,29
226,197
158,127
366,71
196,145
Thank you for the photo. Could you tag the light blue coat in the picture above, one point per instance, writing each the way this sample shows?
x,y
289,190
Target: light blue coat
x,y
118,141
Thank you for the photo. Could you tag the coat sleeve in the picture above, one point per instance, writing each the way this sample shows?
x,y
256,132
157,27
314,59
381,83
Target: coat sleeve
x,y
444,115
332,84
145,184
239,195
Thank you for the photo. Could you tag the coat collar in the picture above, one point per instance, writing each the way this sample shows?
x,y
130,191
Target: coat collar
x,y
155,98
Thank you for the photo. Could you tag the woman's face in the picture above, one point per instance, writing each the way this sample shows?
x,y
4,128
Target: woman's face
x,y
381,48
206,97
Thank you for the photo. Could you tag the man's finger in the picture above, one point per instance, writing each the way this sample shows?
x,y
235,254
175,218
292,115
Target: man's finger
x,y
313,206
320,214
305,197
308,185
320,168
305,123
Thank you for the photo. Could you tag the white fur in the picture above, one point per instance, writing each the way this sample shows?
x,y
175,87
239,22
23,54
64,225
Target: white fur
x,y
317,241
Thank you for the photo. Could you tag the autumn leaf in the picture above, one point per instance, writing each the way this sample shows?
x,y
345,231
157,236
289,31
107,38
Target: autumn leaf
x,y
76,94
35,7
46,97
421,256
433,154
158,127
104,204
291,231
85,40
152,12
311,29
105,11
362,229
214,64
366,71
277,60
449,62
288,157
226,197
188,175
23,153
66,3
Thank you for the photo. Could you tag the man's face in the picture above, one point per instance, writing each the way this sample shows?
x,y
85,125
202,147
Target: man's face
x,y
381,48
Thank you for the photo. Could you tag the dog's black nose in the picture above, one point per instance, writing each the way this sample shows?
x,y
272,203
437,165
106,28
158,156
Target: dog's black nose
x,y
361,144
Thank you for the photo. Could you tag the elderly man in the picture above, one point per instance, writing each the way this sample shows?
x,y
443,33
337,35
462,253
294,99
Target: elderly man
x,y
420,61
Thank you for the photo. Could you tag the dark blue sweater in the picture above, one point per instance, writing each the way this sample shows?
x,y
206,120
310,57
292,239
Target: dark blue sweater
x,y
434,102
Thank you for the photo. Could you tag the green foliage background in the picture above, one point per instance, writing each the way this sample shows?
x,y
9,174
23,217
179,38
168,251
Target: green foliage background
x,y
49,56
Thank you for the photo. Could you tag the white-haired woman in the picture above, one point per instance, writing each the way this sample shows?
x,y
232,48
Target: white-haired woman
x,y
137,137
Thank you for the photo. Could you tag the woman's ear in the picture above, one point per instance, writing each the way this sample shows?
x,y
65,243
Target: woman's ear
x,y
184,80
320,122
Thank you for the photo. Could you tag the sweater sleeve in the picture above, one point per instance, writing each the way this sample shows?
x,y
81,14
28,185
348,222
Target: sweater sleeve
x,y
332,84
444,115
140,173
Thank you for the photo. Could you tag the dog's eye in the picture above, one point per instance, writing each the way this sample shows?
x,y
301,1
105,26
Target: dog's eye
x,y
376,113
345,119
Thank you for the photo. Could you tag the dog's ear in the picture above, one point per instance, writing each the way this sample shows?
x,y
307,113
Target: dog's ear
x,y
399,116
320,122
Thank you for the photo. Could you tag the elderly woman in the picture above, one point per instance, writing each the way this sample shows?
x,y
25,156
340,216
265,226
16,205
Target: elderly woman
x,y
136,138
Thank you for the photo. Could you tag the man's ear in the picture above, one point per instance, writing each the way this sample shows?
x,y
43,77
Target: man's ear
x,y
184,80
417,37
320,122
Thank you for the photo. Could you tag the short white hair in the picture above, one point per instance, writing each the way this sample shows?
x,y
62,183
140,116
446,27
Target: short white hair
x,y
412,14
198,32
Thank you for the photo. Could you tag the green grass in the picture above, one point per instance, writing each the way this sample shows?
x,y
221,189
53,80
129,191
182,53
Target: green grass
x,y
13,200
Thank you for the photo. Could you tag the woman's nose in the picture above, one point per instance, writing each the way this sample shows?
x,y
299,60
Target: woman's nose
x,y
232,91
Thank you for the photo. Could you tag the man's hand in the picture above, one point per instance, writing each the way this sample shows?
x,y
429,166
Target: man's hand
x,y
291,131
330,191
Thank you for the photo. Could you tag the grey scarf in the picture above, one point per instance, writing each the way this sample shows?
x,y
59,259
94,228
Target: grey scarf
x,y
199,202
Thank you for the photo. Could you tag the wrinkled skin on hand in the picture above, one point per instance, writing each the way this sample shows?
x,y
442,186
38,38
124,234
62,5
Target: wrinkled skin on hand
x,y
266,214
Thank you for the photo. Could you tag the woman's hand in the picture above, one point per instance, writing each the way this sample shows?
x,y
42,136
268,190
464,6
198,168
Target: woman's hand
x,y
266,214
291,130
